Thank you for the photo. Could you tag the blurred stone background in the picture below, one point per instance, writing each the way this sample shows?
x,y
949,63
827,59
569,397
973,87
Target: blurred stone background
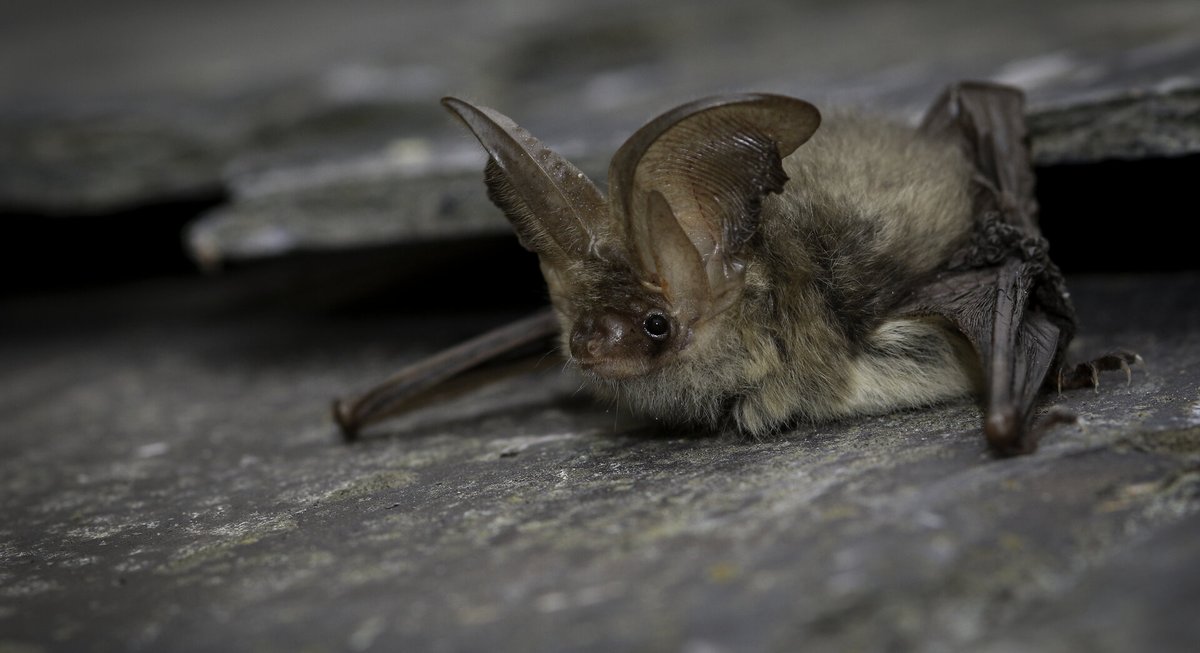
x,y
170,477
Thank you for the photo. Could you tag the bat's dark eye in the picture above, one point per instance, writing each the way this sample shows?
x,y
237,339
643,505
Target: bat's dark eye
x,y
657,326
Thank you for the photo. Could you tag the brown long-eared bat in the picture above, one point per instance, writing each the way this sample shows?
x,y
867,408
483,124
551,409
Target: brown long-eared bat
x,y
753,265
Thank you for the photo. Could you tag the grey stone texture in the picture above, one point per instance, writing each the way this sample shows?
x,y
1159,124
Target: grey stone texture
x,y
321,123
171,481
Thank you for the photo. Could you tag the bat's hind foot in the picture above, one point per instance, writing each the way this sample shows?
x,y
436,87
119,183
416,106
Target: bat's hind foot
x,y
1087,375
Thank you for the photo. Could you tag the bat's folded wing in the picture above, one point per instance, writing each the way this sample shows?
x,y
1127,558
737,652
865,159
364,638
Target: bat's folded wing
x,y
1001,290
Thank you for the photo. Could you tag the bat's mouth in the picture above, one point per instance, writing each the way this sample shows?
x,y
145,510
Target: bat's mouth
x,y
613,369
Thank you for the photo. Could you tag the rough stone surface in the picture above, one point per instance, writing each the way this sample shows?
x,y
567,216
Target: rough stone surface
x,y
100,163
171,481
303,110
1128,126
1130,103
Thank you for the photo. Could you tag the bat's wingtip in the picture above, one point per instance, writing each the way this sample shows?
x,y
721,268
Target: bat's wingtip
x,y
1005,433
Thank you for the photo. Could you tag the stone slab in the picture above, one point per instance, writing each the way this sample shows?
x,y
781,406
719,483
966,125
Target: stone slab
x,y
305,114
171,481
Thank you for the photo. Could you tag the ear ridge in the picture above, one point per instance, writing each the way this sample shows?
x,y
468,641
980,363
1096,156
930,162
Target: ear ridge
x,y
713,161
557,211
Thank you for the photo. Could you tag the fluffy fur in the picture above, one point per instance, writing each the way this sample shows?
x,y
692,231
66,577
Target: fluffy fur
x,y
870,209
779,301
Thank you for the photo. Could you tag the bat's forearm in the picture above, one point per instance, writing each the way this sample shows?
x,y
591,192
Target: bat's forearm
x,y
396,392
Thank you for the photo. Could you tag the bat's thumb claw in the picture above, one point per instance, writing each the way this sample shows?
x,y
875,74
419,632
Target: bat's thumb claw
x,y
342,416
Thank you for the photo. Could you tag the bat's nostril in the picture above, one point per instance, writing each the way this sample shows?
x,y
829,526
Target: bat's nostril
x,y
587,338
596,336
595,346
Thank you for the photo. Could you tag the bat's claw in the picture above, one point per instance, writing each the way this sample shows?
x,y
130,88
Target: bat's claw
x,y
1087,375
1008,437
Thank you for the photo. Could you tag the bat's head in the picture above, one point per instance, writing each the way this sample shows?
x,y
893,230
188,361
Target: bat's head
x,y
640,279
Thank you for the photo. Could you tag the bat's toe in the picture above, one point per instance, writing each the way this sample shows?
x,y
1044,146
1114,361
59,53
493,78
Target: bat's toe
x,y
1087,374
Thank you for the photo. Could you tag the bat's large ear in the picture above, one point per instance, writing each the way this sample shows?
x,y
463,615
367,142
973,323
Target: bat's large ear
x,y
556,210
705,169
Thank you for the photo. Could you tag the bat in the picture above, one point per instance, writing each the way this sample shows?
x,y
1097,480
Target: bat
x,y
754,264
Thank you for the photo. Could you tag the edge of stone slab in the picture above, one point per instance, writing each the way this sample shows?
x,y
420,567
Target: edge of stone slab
x,y
1131,124
394,208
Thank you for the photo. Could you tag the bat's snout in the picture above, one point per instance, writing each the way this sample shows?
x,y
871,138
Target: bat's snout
x,y
607,345
595,338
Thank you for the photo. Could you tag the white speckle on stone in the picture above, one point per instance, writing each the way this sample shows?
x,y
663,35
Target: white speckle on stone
x,y
1037,71
521,443
97,531
366,633
151,450
365,82
1173,84
27,587
701,646
409,154
269,240
930,520
597,594
551,602
558,601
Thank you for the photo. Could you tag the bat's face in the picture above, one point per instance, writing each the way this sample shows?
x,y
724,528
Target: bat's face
x,y
616,325
616,344
638,277
623,340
